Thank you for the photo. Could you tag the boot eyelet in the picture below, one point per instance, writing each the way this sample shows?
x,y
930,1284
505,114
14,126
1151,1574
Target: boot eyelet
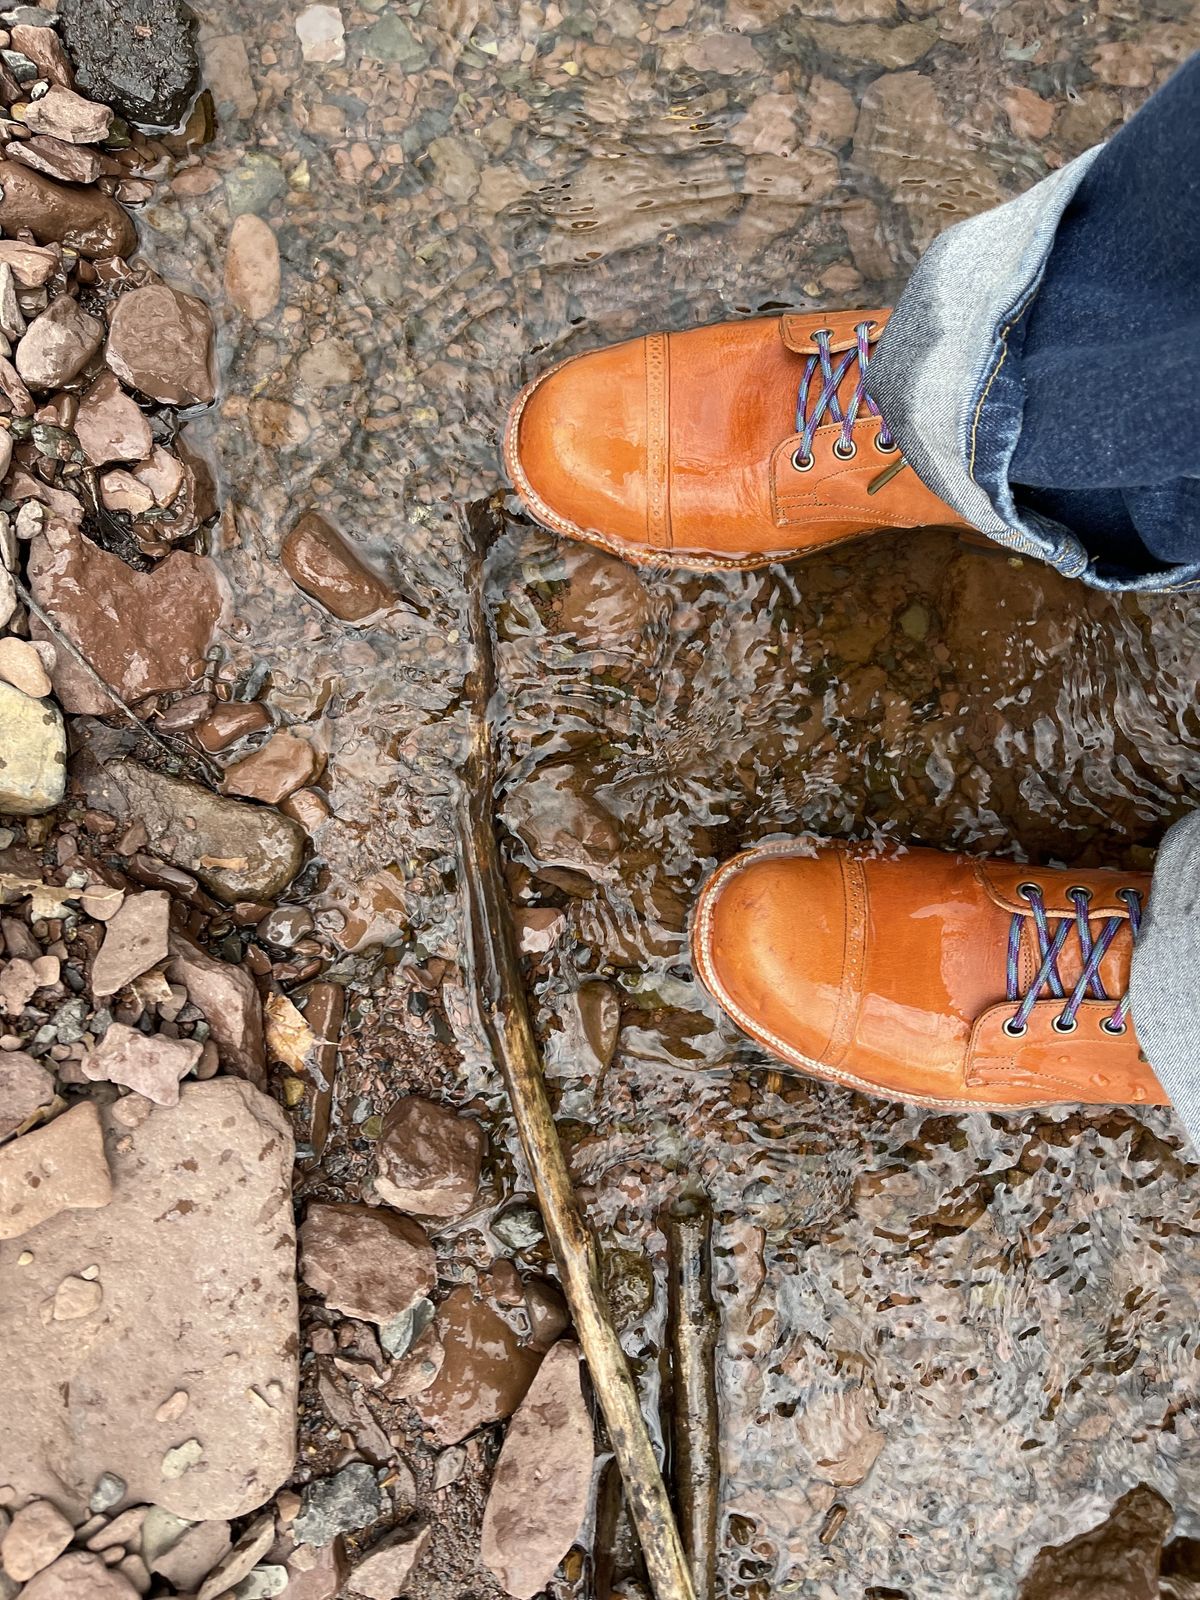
x,y
1012,1031
845,453
1116,1030
800,462
888,449
1079,889
1028,890
1061,1025
821,333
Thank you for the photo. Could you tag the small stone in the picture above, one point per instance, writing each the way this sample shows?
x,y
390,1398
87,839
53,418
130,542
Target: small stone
x,y
65,115
76,1298
245,1555
61,213
485,1372
68,163
228,723
125,1529
38,1534
172,1407
32,264
344,1503
252,185
134,941
160,342
79,1575
194,1553
33,758
262,1583
282,765
428,1159
135,1571
252,272
56,1168
318,1573
44,48
367,1263
387,1566
321,34
181,1458
121,491
149,1064
58,344
329,364
25,1088
319,561
110,426
542,1482
21,665
101,901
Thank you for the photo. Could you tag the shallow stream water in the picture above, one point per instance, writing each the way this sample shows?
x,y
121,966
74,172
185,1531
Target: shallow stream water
x,y
969,1334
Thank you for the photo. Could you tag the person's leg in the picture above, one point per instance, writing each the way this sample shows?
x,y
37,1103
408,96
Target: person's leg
x,y
1110,361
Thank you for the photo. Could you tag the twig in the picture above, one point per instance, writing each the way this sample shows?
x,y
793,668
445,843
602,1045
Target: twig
x,y
692,1325
505,1016
61,637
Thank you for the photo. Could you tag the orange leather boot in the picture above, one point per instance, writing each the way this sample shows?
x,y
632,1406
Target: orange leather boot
x,y
730,446
921,976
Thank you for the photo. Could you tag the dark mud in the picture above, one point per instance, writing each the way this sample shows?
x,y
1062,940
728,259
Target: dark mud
x,y
946,1341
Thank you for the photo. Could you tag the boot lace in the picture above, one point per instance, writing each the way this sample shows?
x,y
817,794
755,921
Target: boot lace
x,y
816,403
1050,947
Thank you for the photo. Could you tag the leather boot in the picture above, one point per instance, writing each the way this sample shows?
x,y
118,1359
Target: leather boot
x,y
735,445
942,979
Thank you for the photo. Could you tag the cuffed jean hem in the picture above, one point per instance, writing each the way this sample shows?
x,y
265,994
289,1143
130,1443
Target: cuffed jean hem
x,y
1165,979
943,375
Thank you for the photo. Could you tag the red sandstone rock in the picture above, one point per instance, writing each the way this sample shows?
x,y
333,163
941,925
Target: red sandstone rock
x,y
484,1375
160,342
319,561
60,1167
367,1263
135,940
58,213
282,765
428,1159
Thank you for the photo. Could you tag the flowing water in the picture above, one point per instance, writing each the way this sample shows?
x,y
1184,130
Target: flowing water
x,y
946,1341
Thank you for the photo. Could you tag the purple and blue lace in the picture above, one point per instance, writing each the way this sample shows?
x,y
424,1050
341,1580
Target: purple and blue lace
x,y
1050,947
827,402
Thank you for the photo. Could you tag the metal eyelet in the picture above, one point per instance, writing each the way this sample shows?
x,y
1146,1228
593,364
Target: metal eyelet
x,y
845,453
1060,1025
1079,889
888,449
1028,890
821,333
1108,1027
801,463
1014,1032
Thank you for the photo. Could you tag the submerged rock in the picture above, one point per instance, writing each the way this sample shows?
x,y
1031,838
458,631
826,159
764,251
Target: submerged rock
x,y
160,342
59,213
33,753
542,1482
428,1159
194,1257
60,1167
1118,1560
367,1263
238,851
319,561
138,56
252,277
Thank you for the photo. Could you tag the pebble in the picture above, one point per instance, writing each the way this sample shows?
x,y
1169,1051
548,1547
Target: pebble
x,y
32,264
344,1503
309,807
275,770
44,48
321,34
79,1575
485,1372
238,851
388,1565
252,273
59,1167
25,1087
200,1221
160,342
228,999
366,1262
58,344
110,426
125,1529
428,1159
33,767
320,562
150,1064
39,1532
135,939
68,163
228,723
21,665
542,1482
61,213
63,114
76,1298
318,1573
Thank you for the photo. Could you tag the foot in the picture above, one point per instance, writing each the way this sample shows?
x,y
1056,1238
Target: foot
x,y
929,977
729,446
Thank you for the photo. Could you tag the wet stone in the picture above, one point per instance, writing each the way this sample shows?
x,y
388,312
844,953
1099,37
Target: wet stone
x,y
58,344
33,755
57,213
150,1064
110,426
319,561
428,1159
138,56
60,1167
542,1482
282,765
135,939
366,1262
252,274
200,1217
160,342
344,1503
1118,1560
485,1373
226,724
25,1087
227,998
67,163
32,265
62,114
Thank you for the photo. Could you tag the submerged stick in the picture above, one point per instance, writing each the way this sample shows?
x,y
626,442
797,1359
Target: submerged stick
x,y
692,1326
505,1016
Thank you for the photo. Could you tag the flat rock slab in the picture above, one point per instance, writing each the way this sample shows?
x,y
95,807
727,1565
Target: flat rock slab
x,y
195,1263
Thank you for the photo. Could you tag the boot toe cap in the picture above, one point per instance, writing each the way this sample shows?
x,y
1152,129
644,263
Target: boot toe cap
x,y
575,447
769,943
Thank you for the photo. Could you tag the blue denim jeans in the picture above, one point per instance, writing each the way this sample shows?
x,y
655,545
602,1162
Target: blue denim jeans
x,y
1040,374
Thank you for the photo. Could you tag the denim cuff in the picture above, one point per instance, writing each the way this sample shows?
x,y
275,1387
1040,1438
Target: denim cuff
x,y
943,357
